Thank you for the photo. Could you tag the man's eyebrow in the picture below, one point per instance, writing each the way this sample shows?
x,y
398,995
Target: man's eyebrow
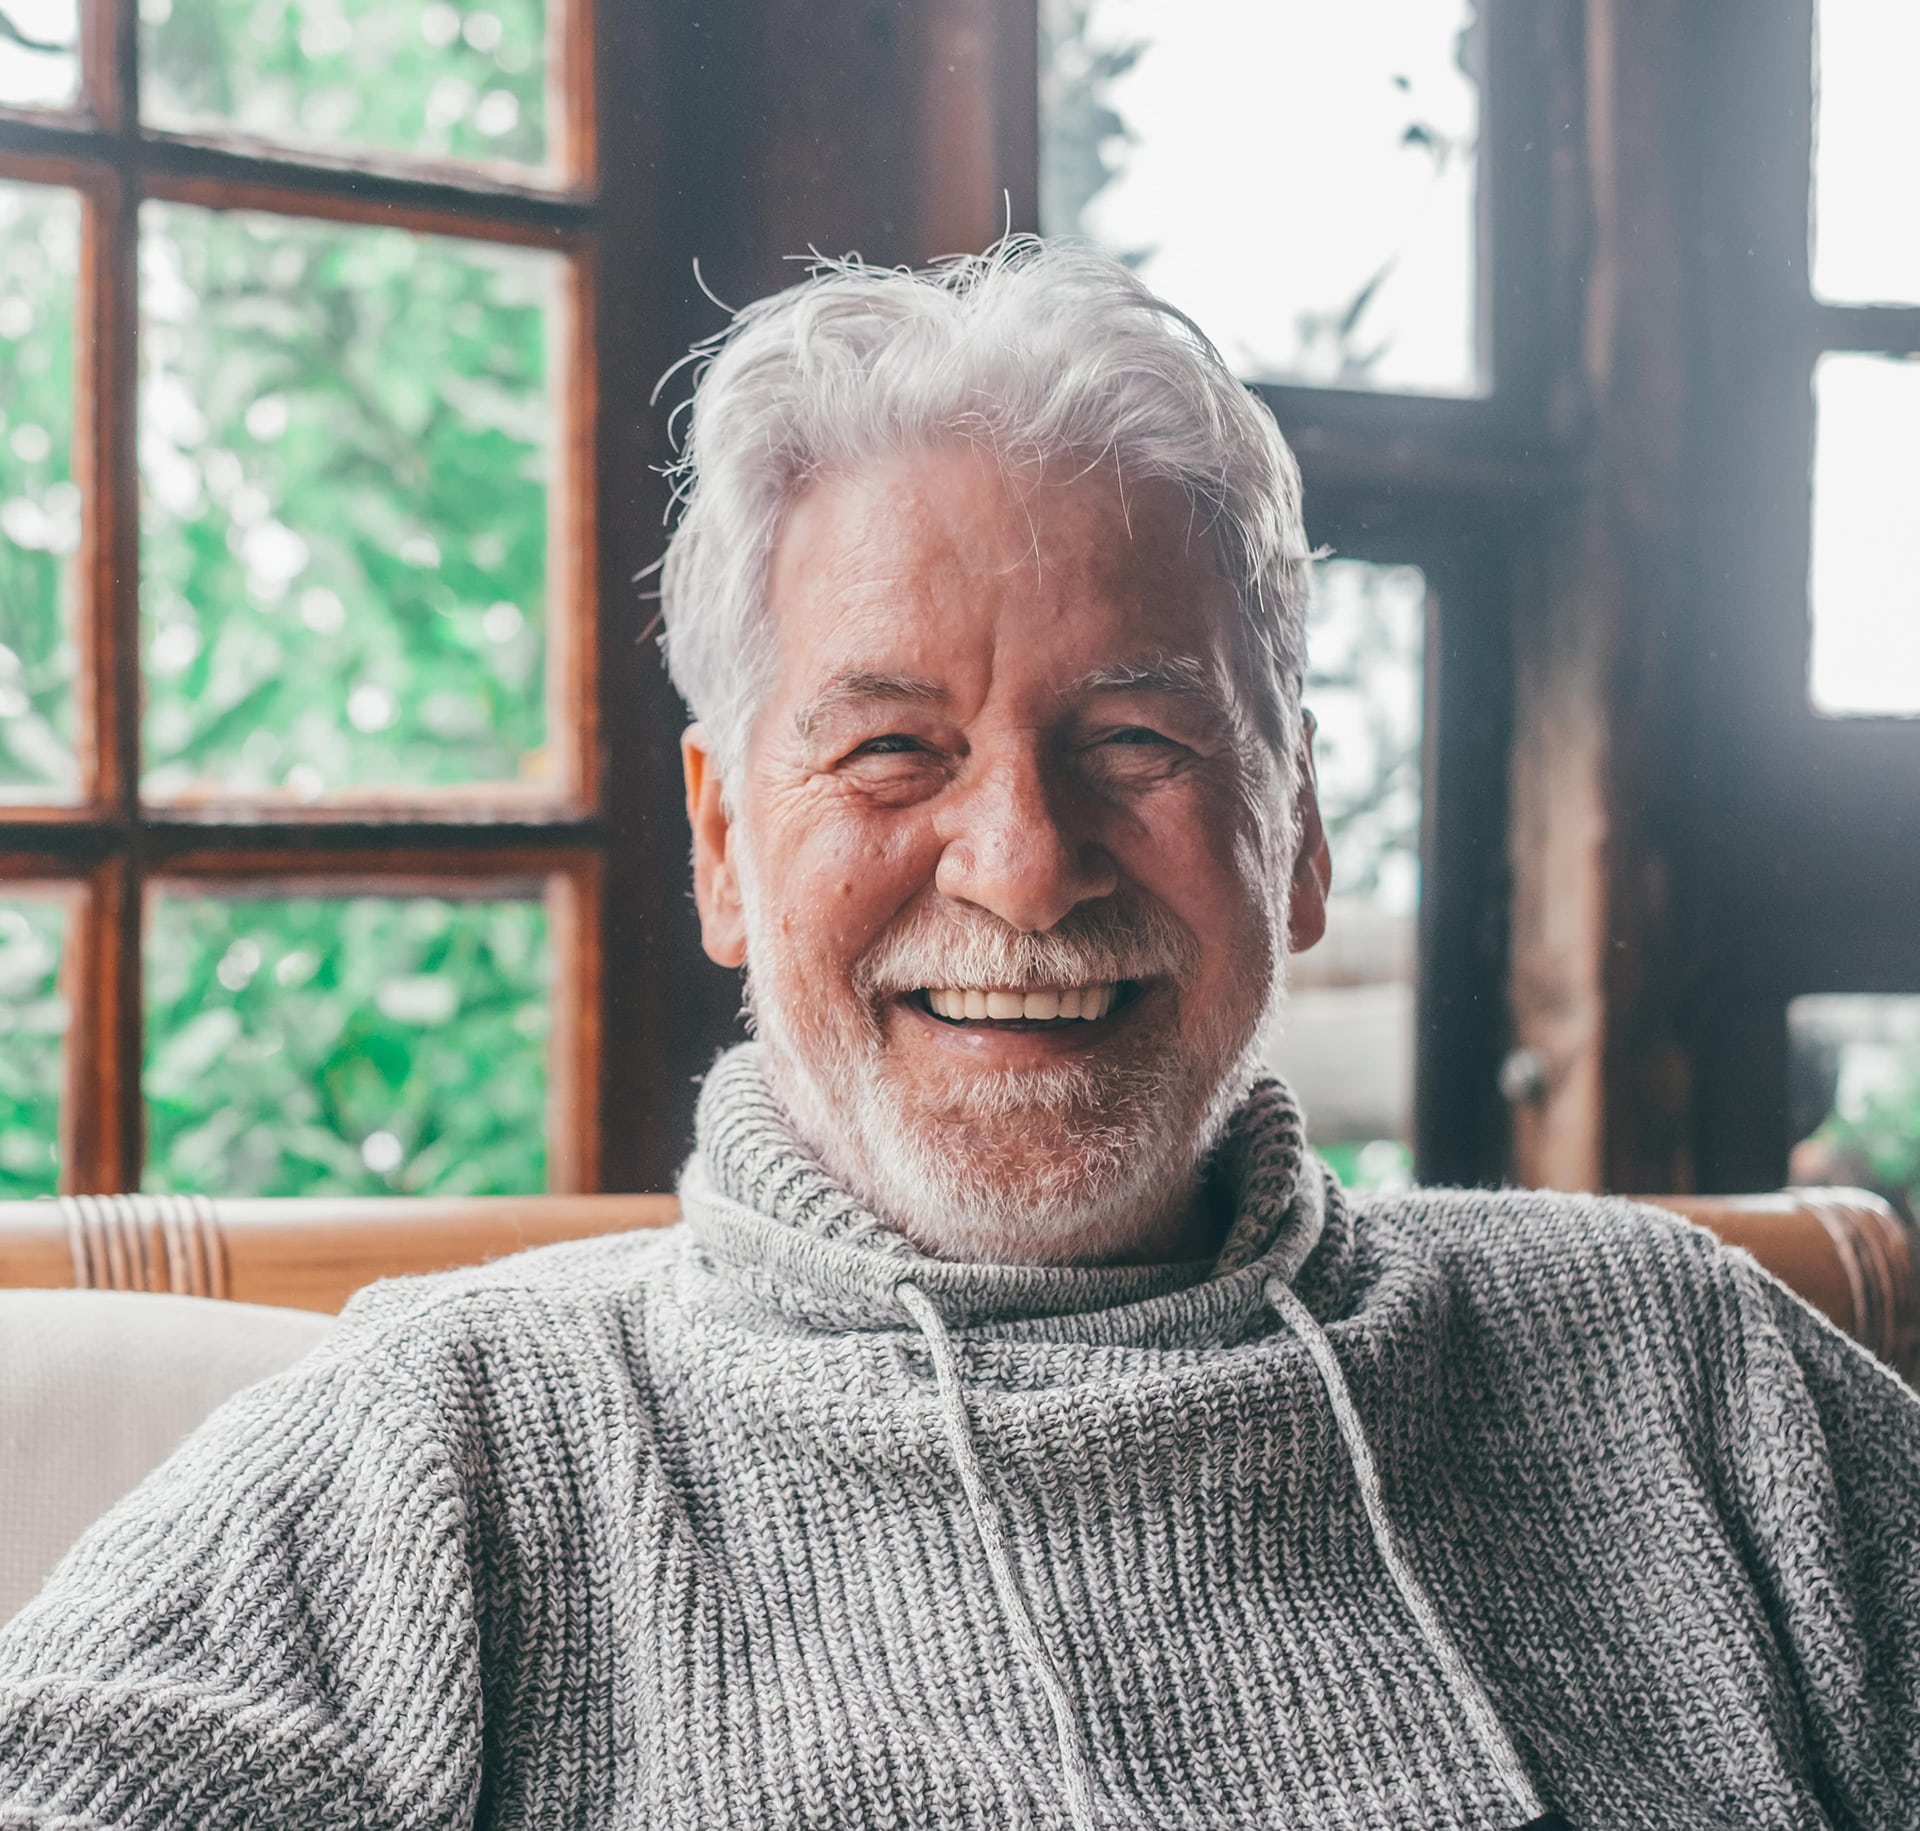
x,y
860,684
1181,675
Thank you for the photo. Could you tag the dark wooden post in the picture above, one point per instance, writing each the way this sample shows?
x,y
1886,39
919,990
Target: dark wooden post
x,y
1599,664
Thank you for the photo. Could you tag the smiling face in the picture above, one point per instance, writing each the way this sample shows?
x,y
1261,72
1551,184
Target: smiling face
x,y
1006,856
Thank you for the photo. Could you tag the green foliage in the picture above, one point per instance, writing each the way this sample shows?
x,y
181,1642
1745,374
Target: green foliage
x,y
1876,1141
39,503
1382,1164
1886,1137
345,436
362,1046
434,80
345,449
33,1023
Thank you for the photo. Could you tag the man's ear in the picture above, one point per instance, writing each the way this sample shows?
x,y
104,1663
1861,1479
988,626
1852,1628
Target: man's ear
x,y
1312,861
716,876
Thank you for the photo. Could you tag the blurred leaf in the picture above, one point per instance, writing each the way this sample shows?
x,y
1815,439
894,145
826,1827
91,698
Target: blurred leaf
x,y
338,1018
436,80
39,503
33,1024
345,445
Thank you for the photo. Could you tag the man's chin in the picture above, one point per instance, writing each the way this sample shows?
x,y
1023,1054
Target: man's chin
x,y
1037,1167
1083,1160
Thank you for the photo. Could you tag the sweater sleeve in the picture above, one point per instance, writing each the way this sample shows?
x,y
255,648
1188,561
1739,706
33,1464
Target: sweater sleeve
x,y
276,1629
1823,1460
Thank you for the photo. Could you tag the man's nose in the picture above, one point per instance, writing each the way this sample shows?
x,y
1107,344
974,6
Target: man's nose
x,y
1018,847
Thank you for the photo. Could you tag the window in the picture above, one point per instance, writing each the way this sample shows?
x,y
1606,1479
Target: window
x,y
1342,199
1865,577
1347,1043
1864,573
1810,613
1367,281
1854,1063
303,823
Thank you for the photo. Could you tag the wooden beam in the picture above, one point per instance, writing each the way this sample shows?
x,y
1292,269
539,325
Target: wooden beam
x,y
1594,977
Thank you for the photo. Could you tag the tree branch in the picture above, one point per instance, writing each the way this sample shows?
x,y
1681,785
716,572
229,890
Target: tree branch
x,y
46,46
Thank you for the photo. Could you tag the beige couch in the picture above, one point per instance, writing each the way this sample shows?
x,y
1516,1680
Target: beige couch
x,y
97,1387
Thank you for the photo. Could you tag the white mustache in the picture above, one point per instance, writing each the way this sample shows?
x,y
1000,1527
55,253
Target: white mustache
x,y
1104,942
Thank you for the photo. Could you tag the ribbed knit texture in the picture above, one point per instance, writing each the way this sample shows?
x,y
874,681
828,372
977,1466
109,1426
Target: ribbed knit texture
x,y
668,1530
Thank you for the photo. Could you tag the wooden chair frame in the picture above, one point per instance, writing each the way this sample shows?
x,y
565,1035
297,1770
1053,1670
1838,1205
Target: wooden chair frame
x,y
1844,1250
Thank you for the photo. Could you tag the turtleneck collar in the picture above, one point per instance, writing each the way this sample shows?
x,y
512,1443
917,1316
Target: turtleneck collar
x,y
764,1215
766,1212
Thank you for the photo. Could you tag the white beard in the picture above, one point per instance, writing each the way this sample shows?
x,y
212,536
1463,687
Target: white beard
x,y
1083,1161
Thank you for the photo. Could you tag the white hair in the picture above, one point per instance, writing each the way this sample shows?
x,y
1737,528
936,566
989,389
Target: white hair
x,y
1036,350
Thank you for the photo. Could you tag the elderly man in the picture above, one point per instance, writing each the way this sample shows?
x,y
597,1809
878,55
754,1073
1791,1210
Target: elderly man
x,y
1022,1429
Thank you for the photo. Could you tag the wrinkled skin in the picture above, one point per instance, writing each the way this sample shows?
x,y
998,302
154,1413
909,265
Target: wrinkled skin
x,y
1006,707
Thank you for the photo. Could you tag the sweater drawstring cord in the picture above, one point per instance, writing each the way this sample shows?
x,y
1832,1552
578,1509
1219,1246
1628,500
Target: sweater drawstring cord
x,y
1076,1771
1468,1693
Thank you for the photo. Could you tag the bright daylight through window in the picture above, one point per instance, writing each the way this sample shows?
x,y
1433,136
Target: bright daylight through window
x,y
1361,276
40,56
1865,584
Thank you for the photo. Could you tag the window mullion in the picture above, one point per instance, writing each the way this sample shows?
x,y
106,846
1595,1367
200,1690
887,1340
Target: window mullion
x,y
101,1121
104,1071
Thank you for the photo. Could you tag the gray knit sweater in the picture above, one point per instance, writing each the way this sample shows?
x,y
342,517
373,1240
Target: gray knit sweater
x,y
1437,1511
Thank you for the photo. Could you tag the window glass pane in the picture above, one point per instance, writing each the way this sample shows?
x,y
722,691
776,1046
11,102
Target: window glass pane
x,y
1854,1068
1346,1037
1865,585
345,442
1298,176
33,1029
1865,250
40,54
346,1045
39,501
431,80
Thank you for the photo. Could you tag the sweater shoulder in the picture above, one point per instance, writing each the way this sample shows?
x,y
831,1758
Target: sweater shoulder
x,y
1468,1228
570,1290
1511,1254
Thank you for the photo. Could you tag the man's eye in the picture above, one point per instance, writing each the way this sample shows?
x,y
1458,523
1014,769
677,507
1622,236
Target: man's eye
x,y
1135,734
895,743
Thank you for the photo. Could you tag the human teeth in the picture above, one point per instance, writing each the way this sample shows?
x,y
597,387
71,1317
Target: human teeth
x,y
1086,1002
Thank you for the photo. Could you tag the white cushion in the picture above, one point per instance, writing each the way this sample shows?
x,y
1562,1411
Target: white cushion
x,y
97,1388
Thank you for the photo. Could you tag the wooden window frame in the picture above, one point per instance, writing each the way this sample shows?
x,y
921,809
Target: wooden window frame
x,y
111,848
1454,486
1591,834
1808,872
